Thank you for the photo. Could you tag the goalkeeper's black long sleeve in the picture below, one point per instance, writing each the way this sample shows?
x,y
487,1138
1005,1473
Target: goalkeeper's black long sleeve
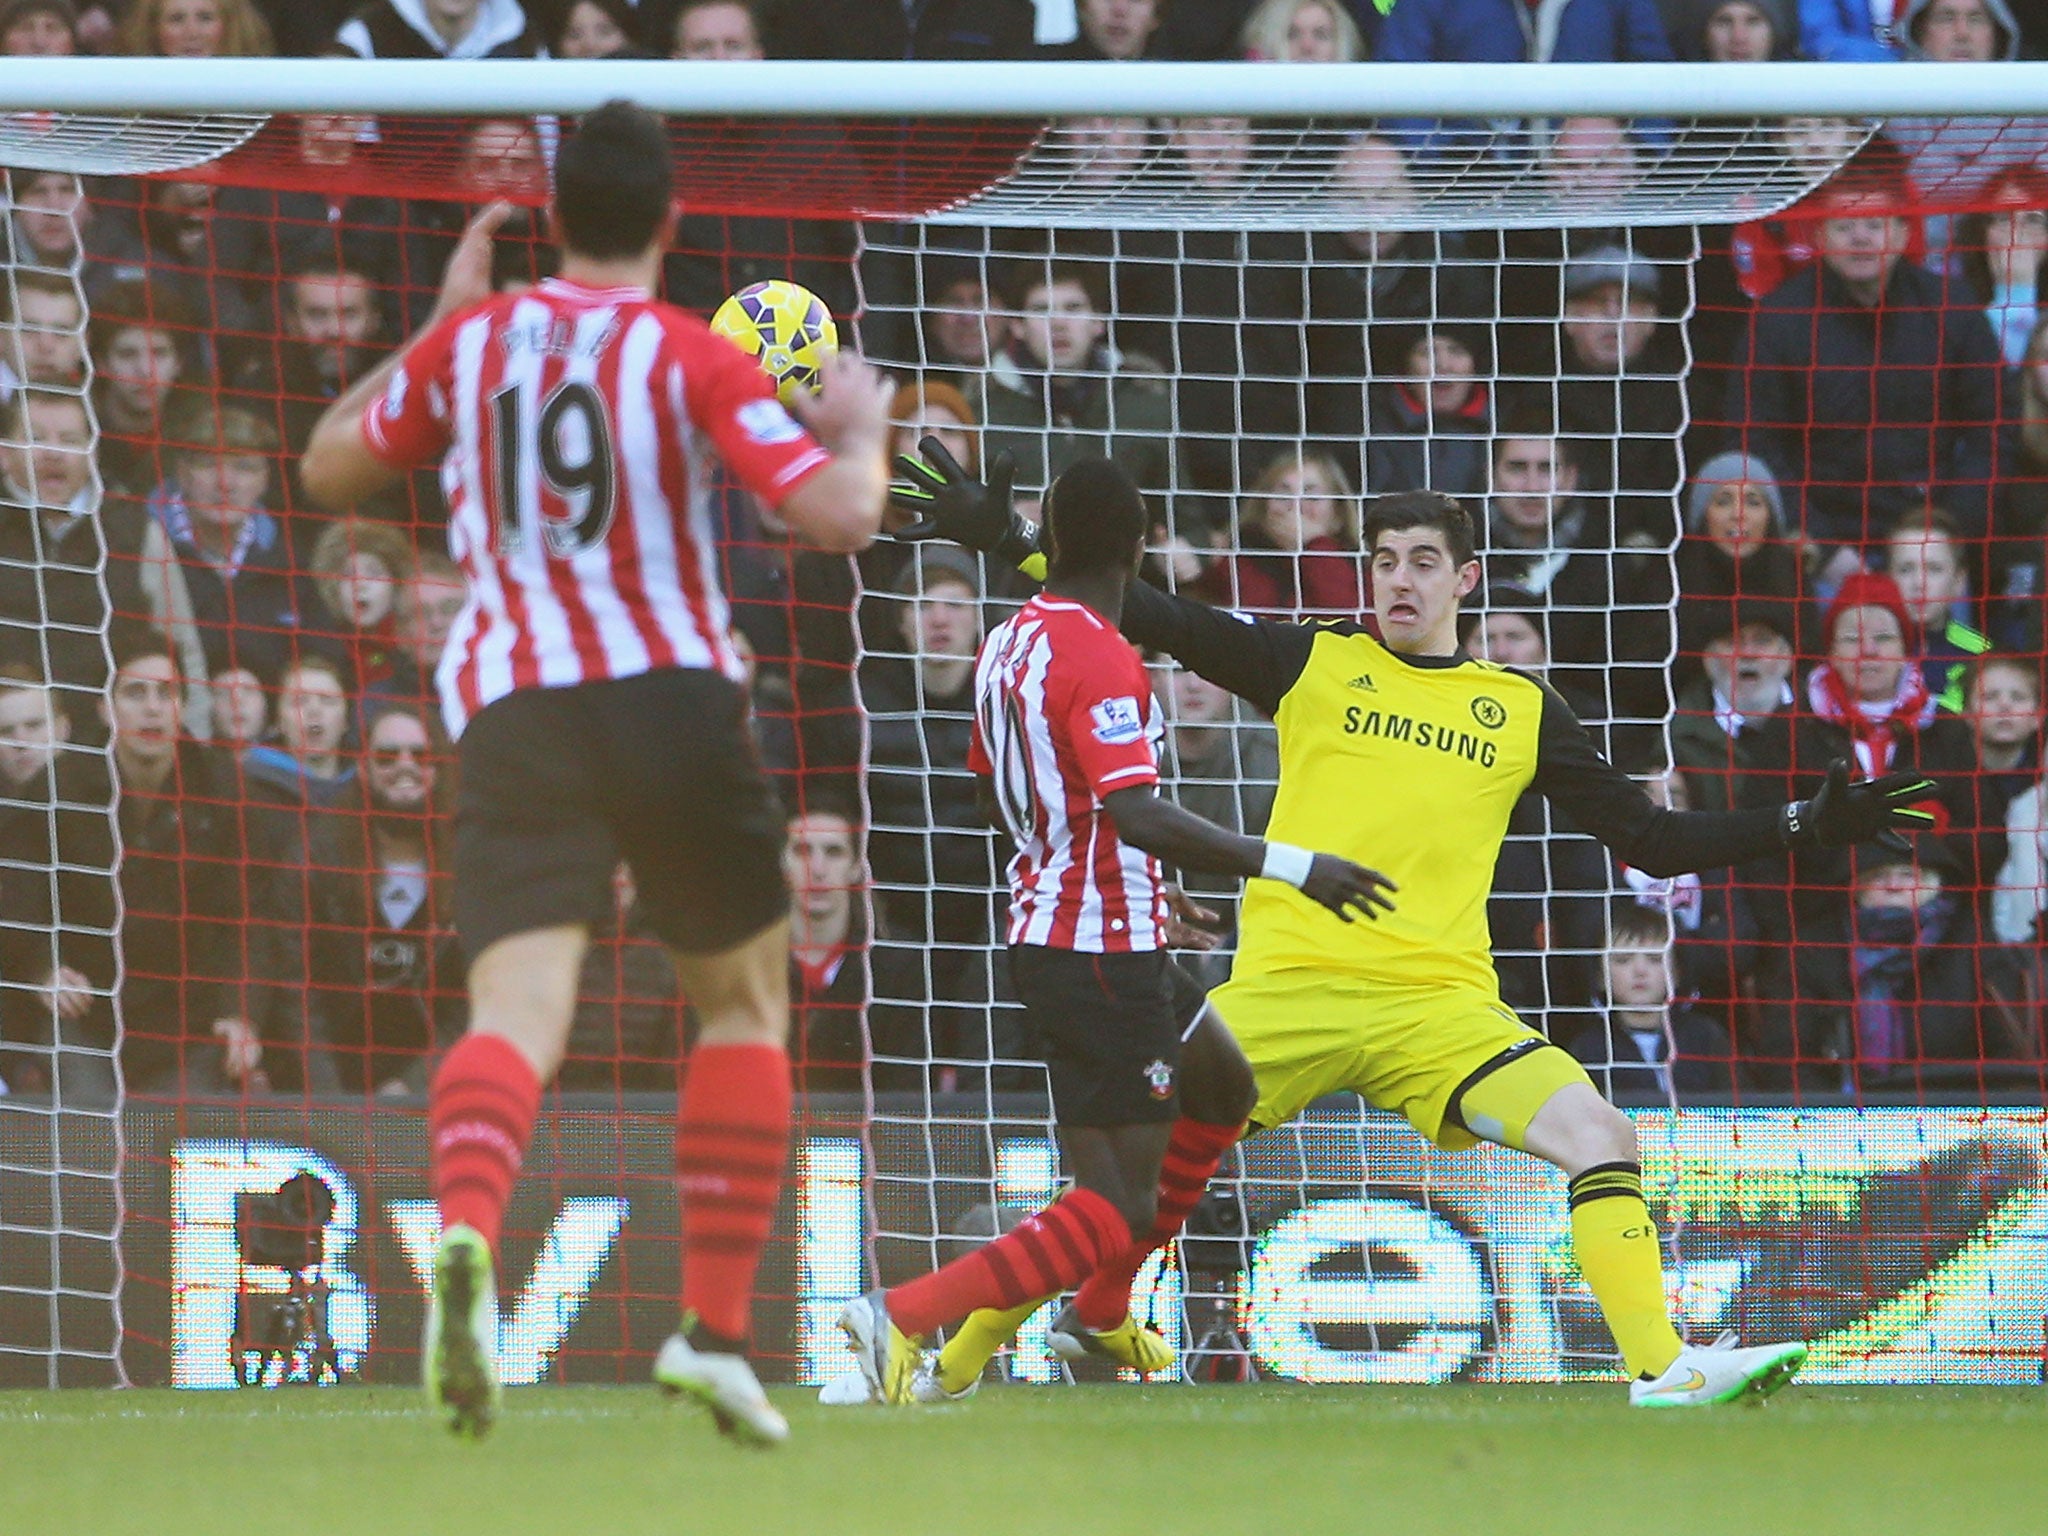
x,y
1611,806
1256,659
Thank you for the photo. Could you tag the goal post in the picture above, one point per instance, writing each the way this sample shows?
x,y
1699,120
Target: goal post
x,y
880,89
1272,291
159,115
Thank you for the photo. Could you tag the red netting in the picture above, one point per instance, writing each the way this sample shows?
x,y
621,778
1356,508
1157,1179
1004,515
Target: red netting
x,y
1682,447
271,962
802,168
1872,408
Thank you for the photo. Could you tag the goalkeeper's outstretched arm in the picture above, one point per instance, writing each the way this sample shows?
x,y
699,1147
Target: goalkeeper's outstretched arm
x,y
1256,659
1613,807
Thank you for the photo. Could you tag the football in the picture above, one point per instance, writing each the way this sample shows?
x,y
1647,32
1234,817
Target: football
x,y
786,328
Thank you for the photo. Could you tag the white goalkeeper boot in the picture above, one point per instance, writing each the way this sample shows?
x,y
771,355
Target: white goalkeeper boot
x,y
1719,1372
928,1386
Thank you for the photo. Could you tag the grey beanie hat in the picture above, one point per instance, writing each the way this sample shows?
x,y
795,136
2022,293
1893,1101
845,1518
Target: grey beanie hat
x,y
935,563
1616,264
1731,468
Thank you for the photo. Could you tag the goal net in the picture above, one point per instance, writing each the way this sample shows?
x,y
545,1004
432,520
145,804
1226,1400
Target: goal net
x,y
1746,409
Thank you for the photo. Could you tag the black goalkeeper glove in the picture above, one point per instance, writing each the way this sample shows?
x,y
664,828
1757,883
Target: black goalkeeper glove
x,y
949,503
1874,810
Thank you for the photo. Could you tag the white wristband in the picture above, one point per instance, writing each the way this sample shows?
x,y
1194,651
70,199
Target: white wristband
x,y
1286,862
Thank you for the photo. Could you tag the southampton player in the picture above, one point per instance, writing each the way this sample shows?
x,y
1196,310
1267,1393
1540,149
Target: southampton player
x,y
1405,746
596,696
1065,735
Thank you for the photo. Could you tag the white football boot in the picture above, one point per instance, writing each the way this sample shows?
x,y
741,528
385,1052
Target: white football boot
x,y
1720,1372
458,1359
725,1384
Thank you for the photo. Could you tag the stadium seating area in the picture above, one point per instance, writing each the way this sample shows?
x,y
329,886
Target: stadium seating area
x,y
1753,498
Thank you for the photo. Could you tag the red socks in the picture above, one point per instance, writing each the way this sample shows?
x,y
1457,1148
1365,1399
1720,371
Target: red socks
x,y
1190,1162
1049,1253
480,1115
732,1138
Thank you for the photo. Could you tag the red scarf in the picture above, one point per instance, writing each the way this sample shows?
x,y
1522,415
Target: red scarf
x,y
371,652
1912,709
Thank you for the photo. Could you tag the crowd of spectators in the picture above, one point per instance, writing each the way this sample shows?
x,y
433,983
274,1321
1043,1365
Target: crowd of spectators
x,y
1836,419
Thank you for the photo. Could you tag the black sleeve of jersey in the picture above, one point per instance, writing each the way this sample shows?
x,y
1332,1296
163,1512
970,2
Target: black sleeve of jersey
x,y
1256,659
1613,807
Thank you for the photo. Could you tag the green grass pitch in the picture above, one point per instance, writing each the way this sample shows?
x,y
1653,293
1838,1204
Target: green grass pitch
x,y
1084,1460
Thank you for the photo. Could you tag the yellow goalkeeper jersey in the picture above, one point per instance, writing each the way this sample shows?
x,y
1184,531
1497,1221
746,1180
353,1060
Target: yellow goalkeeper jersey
x,y
1411,766
1412,770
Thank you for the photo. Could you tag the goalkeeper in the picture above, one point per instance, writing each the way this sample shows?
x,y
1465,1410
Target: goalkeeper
x,y
1406,752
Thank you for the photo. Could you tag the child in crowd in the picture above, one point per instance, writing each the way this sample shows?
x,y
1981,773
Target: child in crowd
x,y
1924,554
359,567
1641,1041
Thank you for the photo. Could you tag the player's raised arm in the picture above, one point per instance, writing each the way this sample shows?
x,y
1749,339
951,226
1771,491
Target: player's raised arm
x,y
840,507
350,456
1615,809
1256,659
1186,841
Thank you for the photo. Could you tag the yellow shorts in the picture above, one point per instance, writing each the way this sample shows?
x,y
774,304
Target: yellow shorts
x,y
1414,1052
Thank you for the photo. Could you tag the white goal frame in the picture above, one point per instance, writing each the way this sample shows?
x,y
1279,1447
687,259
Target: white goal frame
x,y
166,115
890,89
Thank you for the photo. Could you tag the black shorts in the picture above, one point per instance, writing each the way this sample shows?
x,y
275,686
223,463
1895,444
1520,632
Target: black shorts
x,y
1110,1030
558,785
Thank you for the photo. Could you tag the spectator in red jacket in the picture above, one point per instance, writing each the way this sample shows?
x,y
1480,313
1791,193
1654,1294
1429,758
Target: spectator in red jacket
x,y
1824,150
1297,542
1865,693
1866,385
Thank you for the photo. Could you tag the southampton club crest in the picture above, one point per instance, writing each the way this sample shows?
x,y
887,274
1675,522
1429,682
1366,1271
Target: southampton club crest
x,y
1159,1077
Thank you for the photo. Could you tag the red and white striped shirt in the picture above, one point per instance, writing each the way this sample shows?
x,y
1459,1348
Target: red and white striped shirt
x,y
575,428
1064,715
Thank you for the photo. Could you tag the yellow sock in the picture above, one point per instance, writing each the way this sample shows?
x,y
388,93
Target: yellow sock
x,y
974,1343
1623,1262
